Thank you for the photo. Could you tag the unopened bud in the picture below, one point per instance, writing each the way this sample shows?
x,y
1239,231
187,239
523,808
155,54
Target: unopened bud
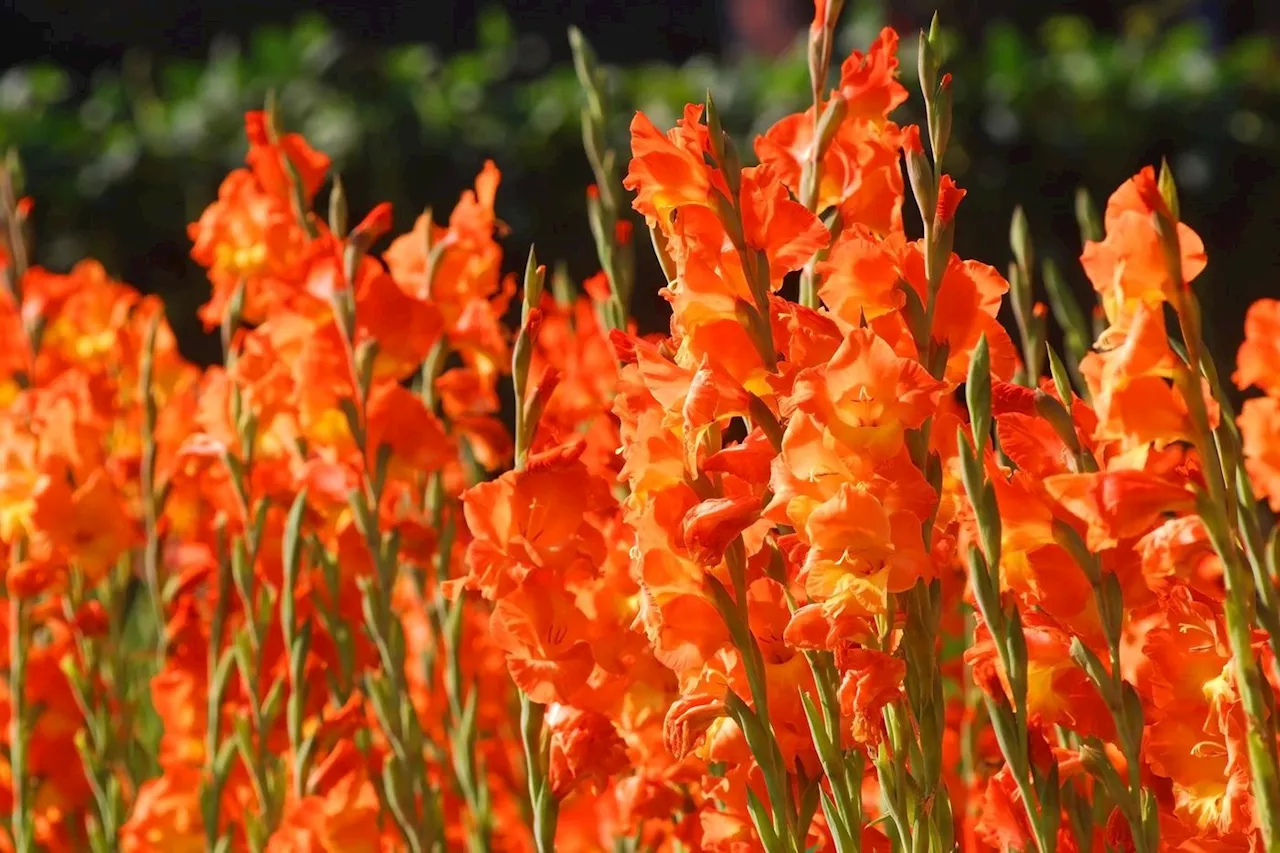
x,y
919,172
978,394
1020,239
829,122
927,60
715,131
376,223
366,359
338,209
940,126
534,276
1169,190
1058,417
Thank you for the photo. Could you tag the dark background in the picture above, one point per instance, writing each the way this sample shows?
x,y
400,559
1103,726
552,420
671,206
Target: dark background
x,y
126,114
85,34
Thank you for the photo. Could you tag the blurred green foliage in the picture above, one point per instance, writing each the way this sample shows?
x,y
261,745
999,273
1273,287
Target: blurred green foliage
x,y
118,163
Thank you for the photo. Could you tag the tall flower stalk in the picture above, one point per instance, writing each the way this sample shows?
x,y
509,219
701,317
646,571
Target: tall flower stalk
x,y
1219,507
545,807
15,244
916,727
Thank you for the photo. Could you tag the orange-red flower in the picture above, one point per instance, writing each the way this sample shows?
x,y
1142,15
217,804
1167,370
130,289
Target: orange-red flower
x,y
166,815
340,814
866,396
1129,265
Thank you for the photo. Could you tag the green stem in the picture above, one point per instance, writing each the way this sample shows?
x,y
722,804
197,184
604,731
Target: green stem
x,y
1137,804
545,806
21,818
149,495
1219,512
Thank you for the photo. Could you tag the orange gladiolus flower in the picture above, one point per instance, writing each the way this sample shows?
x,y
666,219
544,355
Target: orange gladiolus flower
x,y
1118,504
1258,361
166,815
1260,430
872,680
866,396
526,520
868,81
585,749
270,155
1196,728
340,815
462,275
667,171
1129,265
1058,691
860,278
88,527
542,631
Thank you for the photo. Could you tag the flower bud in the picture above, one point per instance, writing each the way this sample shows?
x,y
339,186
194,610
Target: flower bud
x,y
338,209
919,172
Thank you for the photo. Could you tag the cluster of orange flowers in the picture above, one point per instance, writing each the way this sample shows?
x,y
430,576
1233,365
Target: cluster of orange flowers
x,y
830,565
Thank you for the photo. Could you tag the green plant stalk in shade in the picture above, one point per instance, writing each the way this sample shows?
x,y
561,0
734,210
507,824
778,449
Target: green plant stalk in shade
x,y
1040,791
1220,511
544,806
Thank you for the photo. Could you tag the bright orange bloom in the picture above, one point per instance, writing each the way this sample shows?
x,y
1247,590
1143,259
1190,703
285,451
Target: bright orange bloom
x,y
721,267
1260,431
252,233
1118,504
864,280
585,749
1003,823
340,815
860,278
868,81
709,527
1258,361
871,680
572,342
166,815
667,171
1195,722
405,327
1180,549
860,522
462,276
399,421
968,299
526,520
1058,691
1134,399
679,619
270,157
88,527
860,171
1032,564
866,396
544,635
1129,266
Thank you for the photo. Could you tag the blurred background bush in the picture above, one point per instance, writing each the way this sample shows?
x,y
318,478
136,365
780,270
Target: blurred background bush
x,y
127,115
